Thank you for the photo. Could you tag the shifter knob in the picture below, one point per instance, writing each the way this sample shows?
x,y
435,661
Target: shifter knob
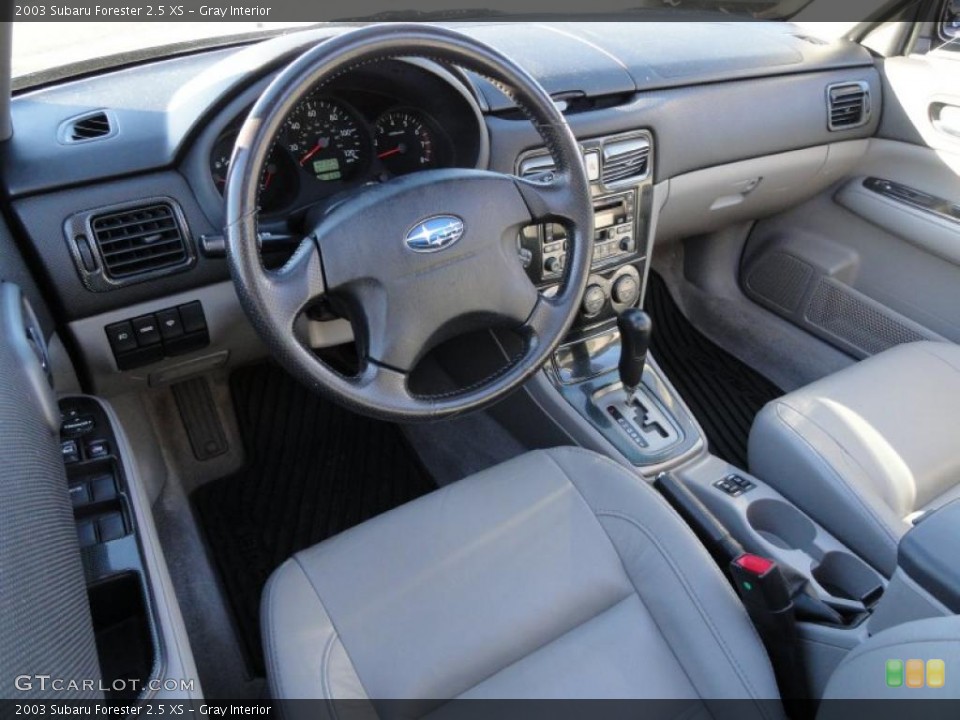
x,y
635,330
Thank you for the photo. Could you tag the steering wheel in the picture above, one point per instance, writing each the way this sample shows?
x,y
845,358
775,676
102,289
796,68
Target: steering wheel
x,y
422,258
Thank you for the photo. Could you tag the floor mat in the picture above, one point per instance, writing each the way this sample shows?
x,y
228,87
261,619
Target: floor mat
x,y
313,470
724,394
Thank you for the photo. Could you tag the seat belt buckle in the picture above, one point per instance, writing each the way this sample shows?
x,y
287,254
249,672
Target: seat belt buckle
x,y
760,584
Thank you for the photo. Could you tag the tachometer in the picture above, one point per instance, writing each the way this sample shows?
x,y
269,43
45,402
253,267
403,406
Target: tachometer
x,y
326,139
405,142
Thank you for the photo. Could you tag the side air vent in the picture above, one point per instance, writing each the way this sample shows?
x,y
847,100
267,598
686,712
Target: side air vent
x,y
92,126
139,240
848,105
625,160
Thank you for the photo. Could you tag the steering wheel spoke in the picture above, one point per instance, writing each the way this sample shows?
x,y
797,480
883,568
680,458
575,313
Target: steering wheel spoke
x,y
552,199
298,283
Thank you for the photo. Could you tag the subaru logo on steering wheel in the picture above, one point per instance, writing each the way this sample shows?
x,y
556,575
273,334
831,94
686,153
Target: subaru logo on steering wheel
x,y
435,233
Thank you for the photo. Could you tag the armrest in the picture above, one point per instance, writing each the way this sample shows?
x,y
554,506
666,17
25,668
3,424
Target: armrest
x,y
928,554
866,673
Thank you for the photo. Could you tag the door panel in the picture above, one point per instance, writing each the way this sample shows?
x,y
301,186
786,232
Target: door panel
x,y
45,624
870,264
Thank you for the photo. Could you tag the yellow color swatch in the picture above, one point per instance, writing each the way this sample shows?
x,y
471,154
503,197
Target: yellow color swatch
x,y
936,673
914,673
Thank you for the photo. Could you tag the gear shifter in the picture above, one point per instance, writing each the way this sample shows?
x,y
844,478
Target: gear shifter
x,y
635,330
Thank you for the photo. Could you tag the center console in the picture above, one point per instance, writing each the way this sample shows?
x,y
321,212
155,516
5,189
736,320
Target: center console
x,y
620,172
648,425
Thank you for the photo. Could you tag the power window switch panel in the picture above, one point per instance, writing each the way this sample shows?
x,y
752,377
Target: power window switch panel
x,y
111,527
70,451
98,449
87,534
80,495
103,487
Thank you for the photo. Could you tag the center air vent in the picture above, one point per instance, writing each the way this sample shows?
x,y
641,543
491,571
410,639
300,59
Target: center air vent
x,y
92,126
139,240
848,105
625,160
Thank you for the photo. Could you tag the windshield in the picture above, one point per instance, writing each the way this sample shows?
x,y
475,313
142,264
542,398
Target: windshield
x,y
46,47
43,46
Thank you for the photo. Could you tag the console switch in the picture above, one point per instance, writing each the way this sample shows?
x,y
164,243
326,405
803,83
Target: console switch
x,y
734,485
149,338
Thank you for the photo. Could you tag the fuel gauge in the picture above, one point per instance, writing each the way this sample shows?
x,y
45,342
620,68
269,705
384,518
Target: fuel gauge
x,y
277,183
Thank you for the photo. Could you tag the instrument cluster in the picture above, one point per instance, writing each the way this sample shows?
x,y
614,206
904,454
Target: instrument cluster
x,y
329,143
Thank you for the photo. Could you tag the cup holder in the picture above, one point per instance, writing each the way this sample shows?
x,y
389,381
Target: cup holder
x,y
846,576
783,526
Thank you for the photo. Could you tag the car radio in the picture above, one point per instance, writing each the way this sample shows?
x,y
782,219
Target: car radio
x,y
543,248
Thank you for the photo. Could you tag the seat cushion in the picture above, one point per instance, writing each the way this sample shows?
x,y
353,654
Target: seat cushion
x,y
559,574
863,449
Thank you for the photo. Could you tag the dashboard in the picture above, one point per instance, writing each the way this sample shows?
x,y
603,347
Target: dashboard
x,y
386,120
704,98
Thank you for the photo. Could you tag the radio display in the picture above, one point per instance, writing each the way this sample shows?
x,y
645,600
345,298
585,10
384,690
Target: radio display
x,y
605,216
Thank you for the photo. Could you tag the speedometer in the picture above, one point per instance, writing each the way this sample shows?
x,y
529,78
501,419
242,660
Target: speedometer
x,y
326,139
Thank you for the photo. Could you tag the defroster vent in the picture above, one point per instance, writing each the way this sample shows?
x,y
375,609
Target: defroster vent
x,y
139,240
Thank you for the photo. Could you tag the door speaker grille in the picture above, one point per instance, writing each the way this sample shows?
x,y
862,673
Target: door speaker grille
x,y
856,321
780,279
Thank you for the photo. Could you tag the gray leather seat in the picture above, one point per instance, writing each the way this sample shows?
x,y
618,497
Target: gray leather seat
x,y
559,574
863,450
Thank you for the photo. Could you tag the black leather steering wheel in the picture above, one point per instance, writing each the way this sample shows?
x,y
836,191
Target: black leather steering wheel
x,y
419,259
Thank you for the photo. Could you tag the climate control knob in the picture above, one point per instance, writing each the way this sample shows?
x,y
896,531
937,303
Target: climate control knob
x,y
626,290
594,298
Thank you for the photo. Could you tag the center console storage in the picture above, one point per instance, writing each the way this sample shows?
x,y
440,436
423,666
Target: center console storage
x,y
768,524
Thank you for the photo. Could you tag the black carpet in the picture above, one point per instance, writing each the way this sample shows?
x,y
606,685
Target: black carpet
x,y
724,394
313,470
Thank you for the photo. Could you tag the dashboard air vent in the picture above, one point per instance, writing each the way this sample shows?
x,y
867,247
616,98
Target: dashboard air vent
x,y
848,105
625,159
139,240
91,126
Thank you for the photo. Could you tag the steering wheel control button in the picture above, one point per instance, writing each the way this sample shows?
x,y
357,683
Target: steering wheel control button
x,y
170,325
121,337
146,330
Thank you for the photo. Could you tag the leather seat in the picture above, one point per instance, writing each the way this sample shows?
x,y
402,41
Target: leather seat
x,y
559,574
864,450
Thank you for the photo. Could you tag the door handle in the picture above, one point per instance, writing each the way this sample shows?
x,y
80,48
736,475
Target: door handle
x,y
946,118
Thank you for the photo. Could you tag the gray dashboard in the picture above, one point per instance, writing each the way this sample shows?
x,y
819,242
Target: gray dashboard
x,y
710,93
